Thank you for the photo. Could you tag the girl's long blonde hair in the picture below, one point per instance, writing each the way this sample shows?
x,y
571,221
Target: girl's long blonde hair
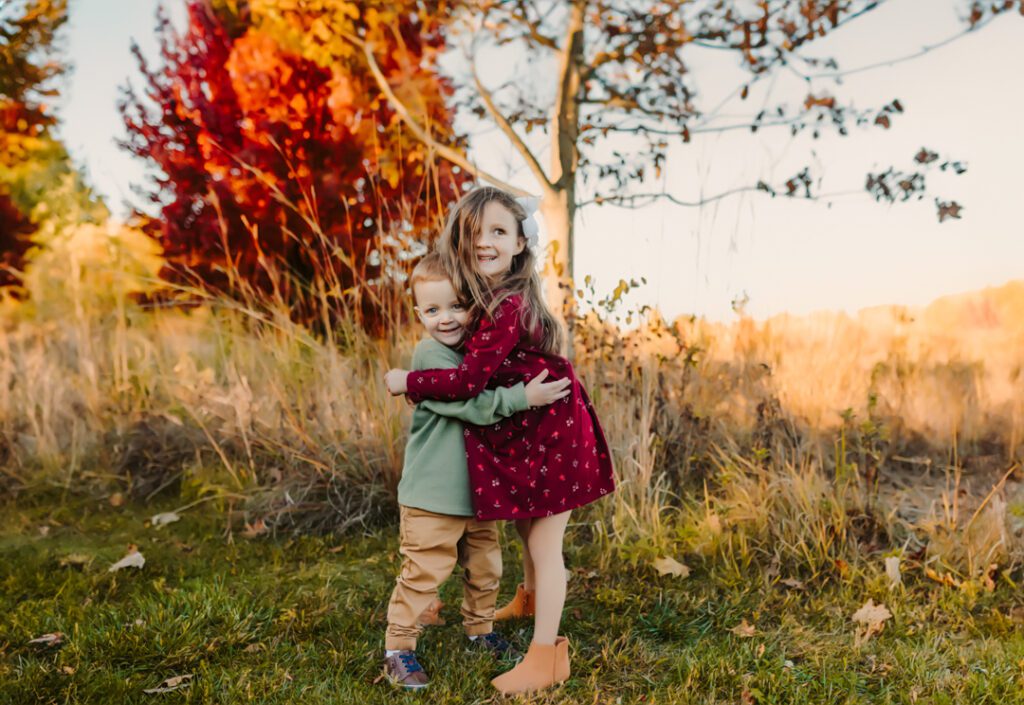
x,y
457,248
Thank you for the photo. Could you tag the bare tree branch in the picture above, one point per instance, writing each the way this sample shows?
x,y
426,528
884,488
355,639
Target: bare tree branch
x,y
533,28
643,129
423,135
630,200
890,62
506,127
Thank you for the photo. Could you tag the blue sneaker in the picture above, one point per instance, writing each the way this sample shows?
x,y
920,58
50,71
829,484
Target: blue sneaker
x,y
496,645
402,669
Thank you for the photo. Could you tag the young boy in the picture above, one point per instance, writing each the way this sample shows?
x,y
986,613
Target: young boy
x,y
438,528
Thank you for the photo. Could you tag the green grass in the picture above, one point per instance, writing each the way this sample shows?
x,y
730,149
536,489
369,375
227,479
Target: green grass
x,y
289,621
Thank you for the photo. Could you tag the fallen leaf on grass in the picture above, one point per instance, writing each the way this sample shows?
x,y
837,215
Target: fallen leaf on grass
x,y
945,578
670,566
872,617
68,670
116,499
171,684
988,579
743,629
892,570
52,639
793,584
74,559
164,518
257,528
134,559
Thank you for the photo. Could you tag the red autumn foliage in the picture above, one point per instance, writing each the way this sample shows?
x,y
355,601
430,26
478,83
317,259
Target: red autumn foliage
x,y
27,69
271,165
15,230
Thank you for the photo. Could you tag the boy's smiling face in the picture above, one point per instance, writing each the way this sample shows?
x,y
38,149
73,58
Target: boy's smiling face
x,y
441,312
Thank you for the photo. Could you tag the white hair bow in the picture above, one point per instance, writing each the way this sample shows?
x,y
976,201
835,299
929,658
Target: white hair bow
x,y
530,227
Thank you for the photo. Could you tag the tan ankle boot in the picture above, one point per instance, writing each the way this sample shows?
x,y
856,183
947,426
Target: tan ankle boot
x,y
543,666
522,605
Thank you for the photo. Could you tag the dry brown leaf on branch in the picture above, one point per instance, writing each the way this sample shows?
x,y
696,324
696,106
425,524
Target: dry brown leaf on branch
x,y
872,617
171,684
744,630
134,559
670,566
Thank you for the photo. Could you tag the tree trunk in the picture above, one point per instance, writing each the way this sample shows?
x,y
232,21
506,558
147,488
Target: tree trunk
x,y
558,209
559,202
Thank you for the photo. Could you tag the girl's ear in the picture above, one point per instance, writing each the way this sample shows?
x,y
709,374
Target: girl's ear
x,y
520,244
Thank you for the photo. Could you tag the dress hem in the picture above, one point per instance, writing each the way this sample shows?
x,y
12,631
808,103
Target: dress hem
x,y
537,513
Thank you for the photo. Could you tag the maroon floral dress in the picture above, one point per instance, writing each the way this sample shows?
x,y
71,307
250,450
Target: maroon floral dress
x,y
541,461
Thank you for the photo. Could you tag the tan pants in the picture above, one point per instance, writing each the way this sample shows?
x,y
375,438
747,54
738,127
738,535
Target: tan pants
x,y
432,544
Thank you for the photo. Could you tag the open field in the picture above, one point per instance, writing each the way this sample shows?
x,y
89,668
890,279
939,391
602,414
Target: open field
x,y
783,462
301,620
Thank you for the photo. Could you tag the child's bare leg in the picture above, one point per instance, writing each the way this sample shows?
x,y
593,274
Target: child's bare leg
x,y
545,542
523,529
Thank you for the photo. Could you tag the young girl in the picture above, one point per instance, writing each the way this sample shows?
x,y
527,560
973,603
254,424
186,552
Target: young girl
x,y
538,465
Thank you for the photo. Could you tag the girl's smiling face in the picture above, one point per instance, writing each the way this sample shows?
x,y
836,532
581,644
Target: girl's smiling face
x,y
498,242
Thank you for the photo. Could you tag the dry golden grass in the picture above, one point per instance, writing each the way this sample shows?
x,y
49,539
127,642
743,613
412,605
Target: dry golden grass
x,y
807,439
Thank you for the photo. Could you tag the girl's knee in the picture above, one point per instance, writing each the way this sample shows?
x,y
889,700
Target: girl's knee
x,y
543,551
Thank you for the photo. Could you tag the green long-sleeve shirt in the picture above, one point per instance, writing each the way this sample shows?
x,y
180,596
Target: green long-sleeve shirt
x,y
434,475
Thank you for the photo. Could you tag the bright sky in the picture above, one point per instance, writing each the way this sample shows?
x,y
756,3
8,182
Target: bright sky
x,y
961,100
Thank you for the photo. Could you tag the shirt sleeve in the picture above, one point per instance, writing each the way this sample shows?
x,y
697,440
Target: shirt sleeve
x,y
486,350
489,407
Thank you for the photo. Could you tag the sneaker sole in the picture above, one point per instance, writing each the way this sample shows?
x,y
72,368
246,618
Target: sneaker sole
x,y
403,686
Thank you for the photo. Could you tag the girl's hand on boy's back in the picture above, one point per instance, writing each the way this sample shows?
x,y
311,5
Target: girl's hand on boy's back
x,y
541,393
397,381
